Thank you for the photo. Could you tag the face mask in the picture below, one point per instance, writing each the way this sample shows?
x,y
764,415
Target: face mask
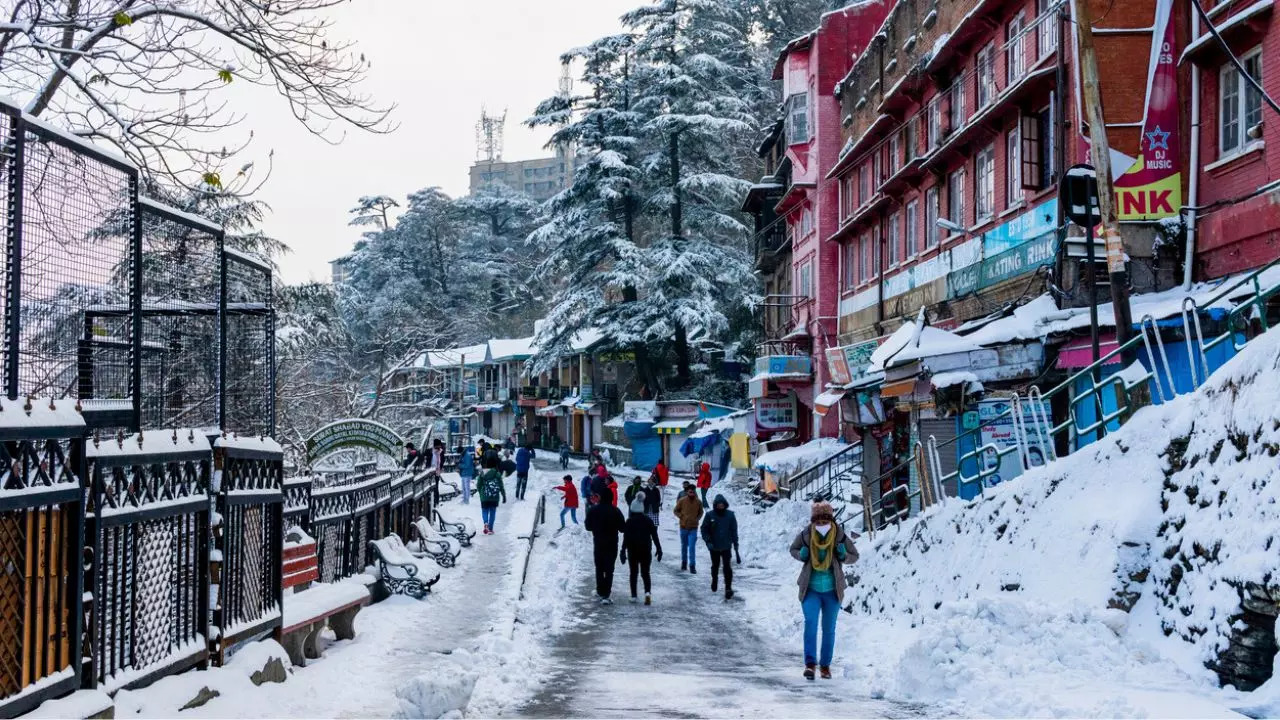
x,y
822,529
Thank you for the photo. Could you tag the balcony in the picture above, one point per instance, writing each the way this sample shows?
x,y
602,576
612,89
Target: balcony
x,y
771,245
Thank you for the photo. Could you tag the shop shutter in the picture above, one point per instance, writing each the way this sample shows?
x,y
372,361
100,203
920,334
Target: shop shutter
x,y
942,431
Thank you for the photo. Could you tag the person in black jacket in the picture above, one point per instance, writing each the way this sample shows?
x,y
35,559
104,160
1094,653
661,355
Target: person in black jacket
x,y
638,532
720,533
604,522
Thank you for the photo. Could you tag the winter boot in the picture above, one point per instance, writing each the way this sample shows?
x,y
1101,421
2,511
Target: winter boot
x,y
728,594
647,599
808,671
684,565
826,672
693,570
715,582
634,599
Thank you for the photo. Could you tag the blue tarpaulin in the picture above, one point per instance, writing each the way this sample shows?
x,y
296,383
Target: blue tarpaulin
x,y
695,445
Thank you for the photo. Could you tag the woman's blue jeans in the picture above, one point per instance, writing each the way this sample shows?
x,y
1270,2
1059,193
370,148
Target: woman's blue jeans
x,y
826,604
489,514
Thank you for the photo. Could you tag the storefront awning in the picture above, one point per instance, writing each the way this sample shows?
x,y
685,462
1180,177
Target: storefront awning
x,y
1079,353
488,407
615,422
550,411
901,388
584,408
672,427
827,400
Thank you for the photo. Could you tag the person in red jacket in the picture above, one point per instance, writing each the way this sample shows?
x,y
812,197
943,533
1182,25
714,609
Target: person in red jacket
x,y
662,475
613,488
704,481
570,500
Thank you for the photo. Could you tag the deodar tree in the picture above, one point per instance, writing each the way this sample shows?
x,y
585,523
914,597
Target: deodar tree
x,y
147,76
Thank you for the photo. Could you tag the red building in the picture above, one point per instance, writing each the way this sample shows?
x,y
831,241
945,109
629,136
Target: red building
x,y
801,322
1237,157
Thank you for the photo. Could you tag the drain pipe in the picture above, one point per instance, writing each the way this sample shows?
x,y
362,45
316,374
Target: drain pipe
x,y
1193,188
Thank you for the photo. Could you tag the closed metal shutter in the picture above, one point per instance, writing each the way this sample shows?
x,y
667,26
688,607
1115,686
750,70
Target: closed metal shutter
x,y
943,431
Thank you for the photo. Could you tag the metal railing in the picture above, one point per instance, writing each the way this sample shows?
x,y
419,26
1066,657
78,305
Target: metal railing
x,y
819,479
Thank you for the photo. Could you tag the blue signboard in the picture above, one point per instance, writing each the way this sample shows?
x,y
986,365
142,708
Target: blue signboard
x,y
1023,228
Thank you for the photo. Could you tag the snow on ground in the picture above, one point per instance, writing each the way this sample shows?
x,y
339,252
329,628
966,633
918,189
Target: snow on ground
x,y
1001,607
792,459
410,658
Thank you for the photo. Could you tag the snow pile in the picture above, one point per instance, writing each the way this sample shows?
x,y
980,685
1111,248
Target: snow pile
x,y
444,692
792,459
169,695
1098,585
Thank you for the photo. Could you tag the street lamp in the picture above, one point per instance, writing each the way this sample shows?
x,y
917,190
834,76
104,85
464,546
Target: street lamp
x,y
951,227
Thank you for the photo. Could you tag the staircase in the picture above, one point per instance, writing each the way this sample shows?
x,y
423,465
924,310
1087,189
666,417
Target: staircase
x,y
837,480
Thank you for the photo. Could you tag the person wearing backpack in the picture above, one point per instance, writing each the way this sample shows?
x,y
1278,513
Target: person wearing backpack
x,y
466,471
524,458
491,488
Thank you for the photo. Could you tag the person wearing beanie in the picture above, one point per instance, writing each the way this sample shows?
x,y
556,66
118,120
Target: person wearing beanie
x,y
632,489
653,501
720,533
605,522
638,532
823,548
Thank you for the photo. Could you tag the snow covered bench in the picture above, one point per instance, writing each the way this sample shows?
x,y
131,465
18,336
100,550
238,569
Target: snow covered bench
x,y
431,543
398,569
462,531
309,608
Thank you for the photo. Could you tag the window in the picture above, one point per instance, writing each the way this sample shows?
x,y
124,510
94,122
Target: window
x,y
867,272
984,184
955,197
1015,55
933,133
806,279
957,115
864,184
1047,30
877,168
931,214
846,197
986,72
1012,167
850,265
1037,150
891,239
798,118
806,222
909,145
895,153
528,172
1239,104
912,229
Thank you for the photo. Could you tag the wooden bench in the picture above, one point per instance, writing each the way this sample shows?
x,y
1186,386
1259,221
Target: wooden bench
x,y
462,531
307,610
431,543
398,569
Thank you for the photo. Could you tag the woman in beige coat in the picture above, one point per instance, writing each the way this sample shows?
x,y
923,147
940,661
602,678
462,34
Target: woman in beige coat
x,y
823,548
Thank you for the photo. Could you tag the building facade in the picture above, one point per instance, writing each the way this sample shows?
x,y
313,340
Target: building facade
x,y
539,178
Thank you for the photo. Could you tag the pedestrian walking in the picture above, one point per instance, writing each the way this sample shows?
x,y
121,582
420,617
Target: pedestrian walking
x,y
689,511
564,455
653,502
605,523
467,471
720,533
586,489
613,490
632,489
704,481
570,500
822,547
491,488
411,455
524,458
507,466
637,534
437,456
510,444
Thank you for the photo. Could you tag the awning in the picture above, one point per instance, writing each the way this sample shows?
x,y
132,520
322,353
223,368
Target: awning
x,y
1079,353
695,444
672,427
901,388
584,408
615,422
488,407
827,400
549,411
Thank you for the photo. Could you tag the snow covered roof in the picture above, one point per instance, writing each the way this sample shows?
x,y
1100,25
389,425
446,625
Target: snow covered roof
x,y
914,341
452,358
585,339
616,421
792,459
511,349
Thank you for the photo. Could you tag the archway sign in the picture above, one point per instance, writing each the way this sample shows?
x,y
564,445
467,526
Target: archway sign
x,y
352,433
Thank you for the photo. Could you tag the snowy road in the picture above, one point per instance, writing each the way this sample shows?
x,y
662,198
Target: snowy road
x,y
691,654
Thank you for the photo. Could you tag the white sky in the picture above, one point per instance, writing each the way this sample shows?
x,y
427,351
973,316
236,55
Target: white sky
x,y
438,62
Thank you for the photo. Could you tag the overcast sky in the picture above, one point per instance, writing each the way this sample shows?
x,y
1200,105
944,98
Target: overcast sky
x,y
439,62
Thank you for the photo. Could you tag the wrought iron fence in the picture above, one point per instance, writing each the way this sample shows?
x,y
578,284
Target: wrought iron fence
x,y
148,519
250,502
41,534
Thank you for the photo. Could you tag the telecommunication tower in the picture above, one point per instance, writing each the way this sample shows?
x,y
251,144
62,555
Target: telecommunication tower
x,y
489,135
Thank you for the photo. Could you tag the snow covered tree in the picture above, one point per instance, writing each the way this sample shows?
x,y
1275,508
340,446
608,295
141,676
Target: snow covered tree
x,y
373,210
147,77
505,291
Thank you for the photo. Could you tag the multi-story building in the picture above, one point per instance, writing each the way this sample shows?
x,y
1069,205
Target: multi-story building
x,y
539,178
1236,180
795,211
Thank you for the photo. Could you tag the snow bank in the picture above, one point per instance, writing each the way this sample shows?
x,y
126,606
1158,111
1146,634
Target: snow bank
x,y
792,459
226,689
444,692
1098,585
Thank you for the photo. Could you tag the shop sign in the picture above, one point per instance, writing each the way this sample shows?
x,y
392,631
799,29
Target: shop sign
x,y
1037,422
858,357
784,365
995,270
776,413
642,411
838,364
680,410
1026,227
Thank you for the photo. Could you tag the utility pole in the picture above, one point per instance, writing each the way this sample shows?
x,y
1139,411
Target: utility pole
x,y
1101,153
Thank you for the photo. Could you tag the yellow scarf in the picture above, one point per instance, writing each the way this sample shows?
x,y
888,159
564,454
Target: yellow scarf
x,y
820,547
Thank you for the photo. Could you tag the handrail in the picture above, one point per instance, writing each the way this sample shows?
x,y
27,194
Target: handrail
x,y
802,480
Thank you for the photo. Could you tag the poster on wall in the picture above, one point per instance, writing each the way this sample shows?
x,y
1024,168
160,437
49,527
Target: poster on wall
x,y
838,364
639,411
1149,186
1036,419
776,413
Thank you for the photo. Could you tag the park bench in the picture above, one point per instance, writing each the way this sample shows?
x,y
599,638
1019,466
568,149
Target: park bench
x,y
431,543
309,608
462,531
398,569
448,490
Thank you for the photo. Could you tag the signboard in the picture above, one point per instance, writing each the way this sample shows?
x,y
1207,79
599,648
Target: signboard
x,y
353,433
838,364
776,413
858,357
1024,228
784,365
1149,186
996,269
679,410
1000,433
642,411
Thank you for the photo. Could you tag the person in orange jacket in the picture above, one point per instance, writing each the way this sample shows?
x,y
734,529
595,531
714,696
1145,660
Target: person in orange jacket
x,y
704,481
613,489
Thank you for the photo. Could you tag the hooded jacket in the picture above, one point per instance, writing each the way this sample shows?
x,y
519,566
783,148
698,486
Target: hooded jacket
x,y
466,464
637,533
630,493
704,477
570,494
523,457
652,499
837,565
689,510
604,522
720,527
